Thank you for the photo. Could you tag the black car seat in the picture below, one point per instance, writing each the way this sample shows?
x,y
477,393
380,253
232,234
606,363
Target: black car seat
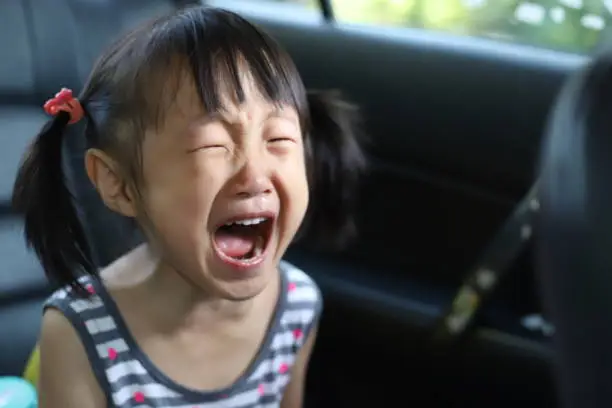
x,y
575,234
47,45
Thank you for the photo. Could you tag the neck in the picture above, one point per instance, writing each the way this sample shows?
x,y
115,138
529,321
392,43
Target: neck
x,y
180,302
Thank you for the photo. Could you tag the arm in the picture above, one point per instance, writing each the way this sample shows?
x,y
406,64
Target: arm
x,y
66,378
294,393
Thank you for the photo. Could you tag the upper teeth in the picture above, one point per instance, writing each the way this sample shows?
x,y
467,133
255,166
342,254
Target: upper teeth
x,y
248,221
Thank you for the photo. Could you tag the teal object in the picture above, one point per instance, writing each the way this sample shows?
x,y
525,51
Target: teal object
x,y
16,392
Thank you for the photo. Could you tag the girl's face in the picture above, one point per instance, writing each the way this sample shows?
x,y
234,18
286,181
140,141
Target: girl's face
x,y
225,193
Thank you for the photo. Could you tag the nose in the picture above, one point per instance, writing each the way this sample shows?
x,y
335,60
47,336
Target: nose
x,y
252,178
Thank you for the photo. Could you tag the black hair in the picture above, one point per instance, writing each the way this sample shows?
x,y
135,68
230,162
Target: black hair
x,y
52,227
127,93
336,164
574,247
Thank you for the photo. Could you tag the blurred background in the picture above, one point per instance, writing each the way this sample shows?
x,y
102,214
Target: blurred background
x,y
568,25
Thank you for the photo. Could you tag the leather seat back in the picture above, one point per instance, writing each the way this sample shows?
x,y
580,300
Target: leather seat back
x,y
47,45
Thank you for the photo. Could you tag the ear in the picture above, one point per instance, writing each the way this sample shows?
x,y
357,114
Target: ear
x,y
110,183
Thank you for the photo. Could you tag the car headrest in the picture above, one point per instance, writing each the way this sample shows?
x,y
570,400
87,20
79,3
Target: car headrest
x,y
575,234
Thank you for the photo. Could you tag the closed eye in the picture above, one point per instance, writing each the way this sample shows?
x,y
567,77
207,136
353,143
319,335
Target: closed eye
x,y
280,139
207,147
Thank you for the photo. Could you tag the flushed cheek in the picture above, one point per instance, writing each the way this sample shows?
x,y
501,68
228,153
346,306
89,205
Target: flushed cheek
x,y
294,200
192,211
183,208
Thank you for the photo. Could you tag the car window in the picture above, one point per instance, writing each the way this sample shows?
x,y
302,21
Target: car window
x,y
568,25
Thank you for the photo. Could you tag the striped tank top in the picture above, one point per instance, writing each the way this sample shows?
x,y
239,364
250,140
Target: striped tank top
x,y
130,380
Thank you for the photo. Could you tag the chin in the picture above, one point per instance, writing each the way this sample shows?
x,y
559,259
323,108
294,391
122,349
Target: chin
x,y
245,289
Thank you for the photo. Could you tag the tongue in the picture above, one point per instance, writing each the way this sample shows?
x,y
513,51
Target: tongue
x,y
234,244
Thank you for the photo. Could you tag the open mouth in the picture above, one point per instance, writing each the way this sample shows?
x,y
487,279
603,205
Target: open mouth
x,y
243,242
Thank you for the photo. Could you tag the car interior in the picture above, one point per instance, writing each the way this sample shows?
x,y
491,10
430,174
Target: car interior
x,y
455,125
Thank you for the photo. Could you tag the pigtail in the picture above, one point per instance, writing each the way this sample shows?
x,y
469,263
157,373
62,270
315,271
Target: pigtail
x,y
336,163
52,227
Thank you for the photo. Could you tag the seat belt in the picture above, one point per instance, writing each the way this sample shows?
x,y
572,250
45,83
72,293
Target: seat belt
x,y
507,244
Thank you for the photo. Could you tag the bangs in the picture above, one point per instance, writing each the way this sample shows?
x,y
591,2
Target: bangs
x,y
212,49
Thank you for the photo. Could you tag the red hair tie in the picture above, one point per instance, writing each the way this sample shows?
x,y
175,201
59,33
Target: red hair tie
x,y
65,102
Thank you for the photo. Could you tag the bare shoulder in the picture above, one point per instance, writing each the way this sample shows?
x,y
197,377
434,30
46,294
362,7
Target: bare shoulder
x,y
130,269
66,377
